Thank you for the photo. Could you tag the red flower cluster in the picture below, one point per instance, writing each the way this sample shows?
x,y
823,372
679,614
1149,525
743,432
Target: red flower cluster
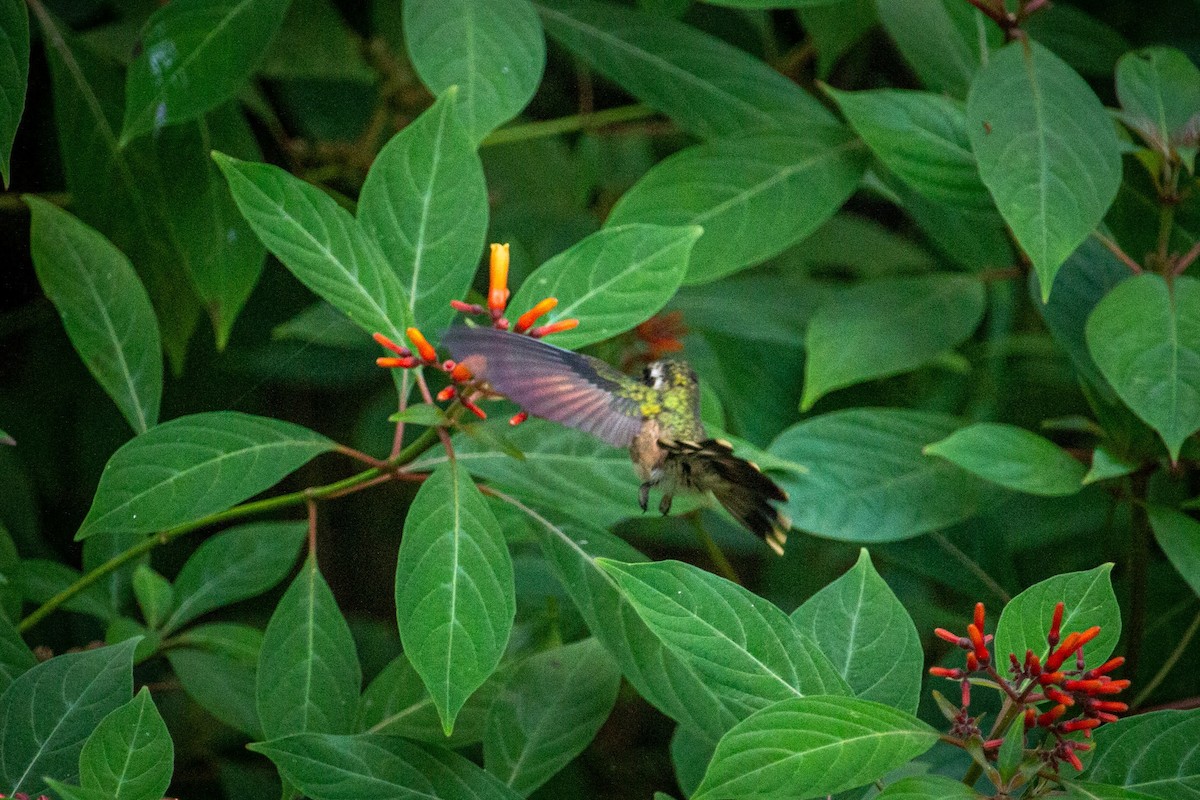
x,y
1077,693
462,383
23,796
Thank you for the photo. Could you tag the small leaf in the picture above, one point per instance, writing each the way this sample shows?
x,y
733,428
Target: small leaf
x,y
15,656
154,594
1154,754
308,672
710,88
5,439
1012,751
1159,89
550,708
610,281
130,754
104,308
195,55
1047,151
216,665
927,787
754,195
421,414
1012,457
691,752
1106,464
233,565
860,625
812,746
860,475
40,579
1179,537
424,202
455,599
371,765
886,327
48,712
1088,600
744,647
1145,338
14,76
320,243
493,50
193,466
398,703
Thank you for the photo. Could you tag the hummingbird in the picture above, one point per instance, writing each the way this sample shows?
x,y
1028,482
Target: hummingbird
x,y
656,416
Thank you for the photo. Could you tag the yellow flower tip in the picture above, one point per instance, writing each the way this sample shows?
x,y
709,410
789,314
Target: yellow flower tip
x,y
498,278
424,348
526,320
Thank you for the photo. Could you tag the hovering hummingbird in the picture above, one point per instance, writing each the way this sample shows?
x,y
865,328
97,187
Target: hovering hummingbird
x,y
656,417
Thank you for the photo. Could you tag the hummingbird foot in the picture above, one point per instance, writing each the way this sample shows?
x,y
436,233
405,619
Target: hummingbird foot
x,y
664,505
644,495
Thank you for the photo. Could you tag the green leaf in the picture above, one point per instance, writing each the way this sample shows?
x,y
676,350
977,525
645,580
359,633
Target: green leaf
x,y
744,647
104,308
320,243
233,565
14,75
193,466
154,594
15,656
860,625
708,87
195,55
1159,90
455,599
1012,457
1088,600
216,664
308,672
812,746
424,202
944,41
117,585
1106,464
40,579
550,708
861,476
1145,338
327,767
886,327
316,43
927,787
48,712
835,28
922,137
690,753
1047,151
6,439
753,194
1179,537
493,50
421,414
610,281
1087,790
130,755
1087,44
1153,753
68,792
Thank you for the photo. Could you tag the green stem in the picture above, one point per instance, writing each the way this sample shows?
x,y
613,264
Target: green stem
x,y
1169,664
408,454
575,122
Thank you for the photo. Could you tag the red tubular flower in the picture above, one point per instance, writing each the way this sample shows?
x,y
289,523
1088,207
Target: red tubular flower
x,y
470,405
424,348
1050,717
407,362
966,693
1073,642
1047,678
979,616
1107,705
384,341
972,661
1074,760
1106,717
554,327
466,308
1059,697
975,634
1080,725
1030,717
526,320
498,279
447,393
460,373
1105,668
518,418
1055,625
952,638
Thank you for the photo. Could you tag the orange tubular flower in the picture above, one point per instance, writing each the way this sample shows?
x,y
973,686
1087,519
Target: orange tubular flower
x,y
424,348
398,349
518,418
459,373
526,320
979,616
1055,625
498,279
554,327
975,634
1050,717
447,393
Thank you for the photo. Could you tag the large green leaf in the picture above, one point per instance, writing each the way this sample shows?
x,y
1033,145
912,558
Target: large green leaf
x,y
860,475
242,562
810,747
1088,600
1159,89
216,664
862,628
1145,338
425,204
14,75
372,765
744,647
547,713
922,138
1154,754
1047,152
189,467
130,755
104,308
48,712
887,327
753,194
708,87
493,50
1088,790
455,599
154,594
1087,44
611,280
927,787
308,672
195,55
1012,457
15,656
320,243
944,41
1179,537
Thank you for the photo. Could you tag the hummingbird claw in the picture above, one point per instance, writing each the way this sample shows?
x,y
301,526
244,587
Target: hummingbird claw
x,y
644,496
664,505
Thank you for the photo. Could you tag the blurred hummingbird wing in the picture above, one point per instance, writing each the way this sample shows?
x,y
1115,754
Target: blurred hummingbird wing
x,y
549,382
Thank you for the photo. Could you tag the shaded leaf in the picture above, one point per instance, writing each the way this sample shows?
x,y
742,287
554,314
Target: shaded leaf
x,y
130,755
216,664
154,595
15,656
1154,754
1179,537
944,41
927,787
1159,90
397,702
1012,457
14,75
40,579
